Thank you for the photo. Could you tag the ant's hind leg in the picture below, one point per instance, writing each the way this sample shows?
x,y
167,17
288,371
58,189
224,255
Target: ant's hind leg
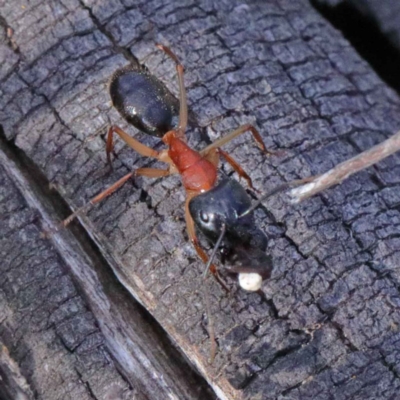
x,y
134,144
148,172
183,112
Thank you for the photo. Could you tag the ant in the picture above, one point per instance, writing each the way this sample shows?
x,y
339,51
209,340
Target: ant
x,y
145,103
221,211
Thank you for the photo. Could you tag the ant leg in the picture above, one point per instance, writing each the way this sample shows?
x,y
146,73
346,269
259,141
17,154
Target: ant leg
x,y
237,132
208,151
134,144
236,166
193,238
148,172
213,157
183,112
213,269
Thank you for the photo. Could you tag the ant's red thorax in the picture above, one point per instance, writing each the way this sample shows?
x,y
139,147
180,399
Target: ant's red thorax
x,y
198,174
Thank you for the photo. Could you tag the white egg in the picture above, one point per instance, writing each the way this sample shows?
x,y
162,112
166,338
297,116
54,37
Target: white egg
x,y
250,281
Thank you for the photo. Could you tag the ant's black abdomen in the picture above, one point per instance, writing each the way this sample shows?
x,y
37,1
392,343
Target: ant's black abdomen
x,y
143,101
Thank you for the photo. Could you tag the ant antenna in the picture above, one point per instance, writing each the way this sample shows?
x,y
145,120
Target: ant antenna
x,y
274,191
214,253
278,189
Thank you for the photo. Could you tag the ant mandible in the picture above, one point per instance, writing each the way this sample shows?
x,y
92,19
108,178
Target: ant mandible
x,y
144,102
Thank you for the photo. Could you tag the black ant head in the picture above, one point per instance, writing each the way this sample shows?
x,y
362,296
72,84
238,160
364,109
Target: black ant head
x,y
222,205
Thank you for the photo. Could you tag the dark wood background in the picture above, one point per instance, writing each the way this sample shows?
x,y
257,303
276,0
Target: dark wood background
x,y
327,326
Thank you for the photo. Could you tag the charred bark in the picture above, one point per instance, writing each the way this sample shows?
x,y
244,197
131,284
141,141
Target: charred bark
x,y
328,323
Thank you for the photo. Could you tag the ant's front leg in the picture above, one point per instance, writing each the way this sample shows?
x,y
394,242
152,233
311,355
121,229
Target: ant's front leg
x,y
237,132
209,151
193,239
236,166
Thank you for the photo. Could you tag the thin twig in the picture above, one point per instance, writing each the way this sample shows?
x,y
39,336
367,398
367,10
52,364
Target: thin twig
x,y
343,170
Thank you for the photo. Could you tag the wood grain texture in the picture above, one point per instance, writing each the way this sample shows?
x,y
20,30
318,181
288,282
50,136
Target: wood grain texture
x,y
328,324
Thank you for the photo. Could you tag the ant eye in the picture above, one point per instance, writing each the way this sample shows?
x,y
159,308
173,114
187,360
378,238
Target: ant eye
x,y
204,217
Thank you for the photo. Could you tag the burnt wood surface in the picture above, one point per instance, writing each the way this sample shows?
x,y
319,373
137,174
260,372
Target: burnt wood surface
x,y
328,323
